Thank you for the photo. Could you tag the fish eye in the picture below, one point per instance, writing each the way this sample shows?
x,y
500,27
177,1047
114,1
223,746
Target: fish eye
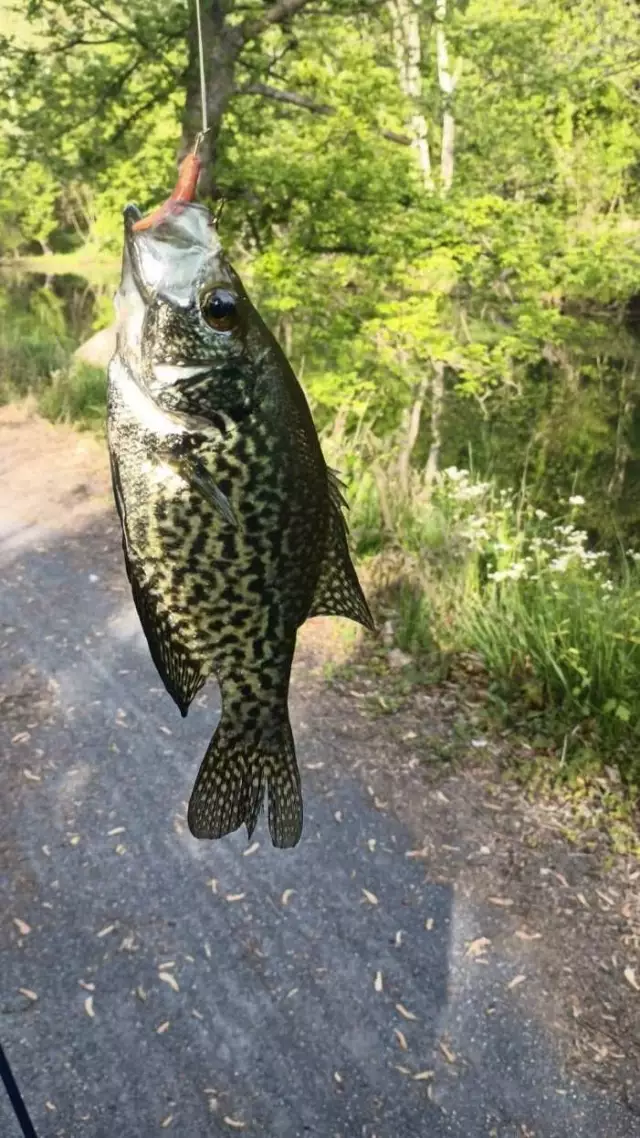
x,y
218,308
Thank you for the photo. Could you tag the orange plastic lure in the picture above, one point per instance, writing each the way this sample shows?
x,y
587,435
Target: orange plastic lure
x,y
183,193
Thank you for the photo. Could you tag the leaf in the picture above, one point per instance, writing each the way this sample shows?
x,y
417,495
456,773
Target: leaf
x,y
522,934
28,993
517,980
478,947
23,928
503,902
167,978
630,977
447,1052
88,1007
286,896
251,849
377,983
402,1039
421,1076
370,897
166,1121
234,1123
163,1027
235,897
405,1013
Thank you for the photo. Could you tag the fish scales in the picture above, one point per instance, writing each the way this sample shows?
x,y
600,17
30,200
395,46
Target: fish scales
x,y
233,531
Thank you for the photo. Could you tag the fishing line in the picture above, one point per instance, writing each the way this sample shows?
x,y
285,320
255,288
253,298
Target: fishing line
x,y
203,88
15,1097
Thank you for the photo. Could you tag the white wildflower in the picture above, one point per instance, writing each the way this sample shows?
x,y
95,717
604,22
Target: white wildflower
x,y
513,573
576,500
471,491
578,537
559,564
540,514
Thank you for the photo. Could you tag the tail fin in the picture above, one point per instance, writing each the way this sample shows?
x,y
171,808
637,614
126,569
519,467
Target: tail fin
x,y
232,779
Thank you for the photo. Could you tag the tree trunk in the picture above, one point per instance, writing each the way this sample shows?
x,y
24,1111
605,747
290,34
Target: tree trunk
x,y
222,45
413,428
405,25
447,83
437,408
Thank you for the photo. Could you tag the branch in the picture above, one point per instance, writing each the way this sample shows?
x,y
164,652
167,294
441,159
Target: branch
x,y
276,14
285,97
308,104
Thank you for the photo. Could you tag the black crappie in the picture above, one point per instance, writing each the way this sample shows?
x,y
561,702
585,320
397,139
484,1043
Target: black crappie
x,y
233,532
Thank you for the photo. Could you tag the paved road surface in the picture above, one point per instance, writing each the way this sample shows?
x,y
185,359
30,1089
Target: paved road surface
x,y
269,1022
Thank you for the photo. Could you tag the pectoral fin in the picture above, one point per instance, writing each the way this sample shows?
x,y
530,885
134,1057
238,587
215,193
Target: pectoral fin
x,y
194,471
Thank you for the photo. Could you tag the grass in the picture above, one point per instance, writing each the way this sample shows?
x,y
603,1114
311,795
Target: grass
x,y
467,567
76,394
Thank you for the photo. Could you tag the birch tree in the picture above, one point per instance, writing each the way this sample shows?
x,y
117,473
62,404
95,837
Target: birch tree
x,y
405,23
447,82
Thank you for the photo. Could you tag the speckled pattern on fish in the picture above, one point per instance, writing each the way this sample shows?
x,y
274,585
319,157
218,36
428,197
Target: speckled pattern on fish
x,y
233,531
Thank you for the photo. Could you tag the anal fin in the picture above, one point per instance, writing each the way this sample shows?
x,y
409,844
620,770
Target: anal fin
x,y
338,591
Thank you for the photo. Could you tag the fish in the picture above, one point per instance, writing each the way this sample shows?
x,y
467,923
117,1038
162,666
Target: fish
x,y
233,525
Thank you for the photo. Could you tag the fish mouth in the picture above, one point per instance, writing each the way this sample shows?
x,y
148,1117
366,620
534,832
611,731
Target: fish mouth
x,y
166,258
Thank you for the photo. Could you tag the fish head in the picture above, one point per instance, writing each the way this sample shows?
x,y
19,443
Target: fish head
x,y
186,328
